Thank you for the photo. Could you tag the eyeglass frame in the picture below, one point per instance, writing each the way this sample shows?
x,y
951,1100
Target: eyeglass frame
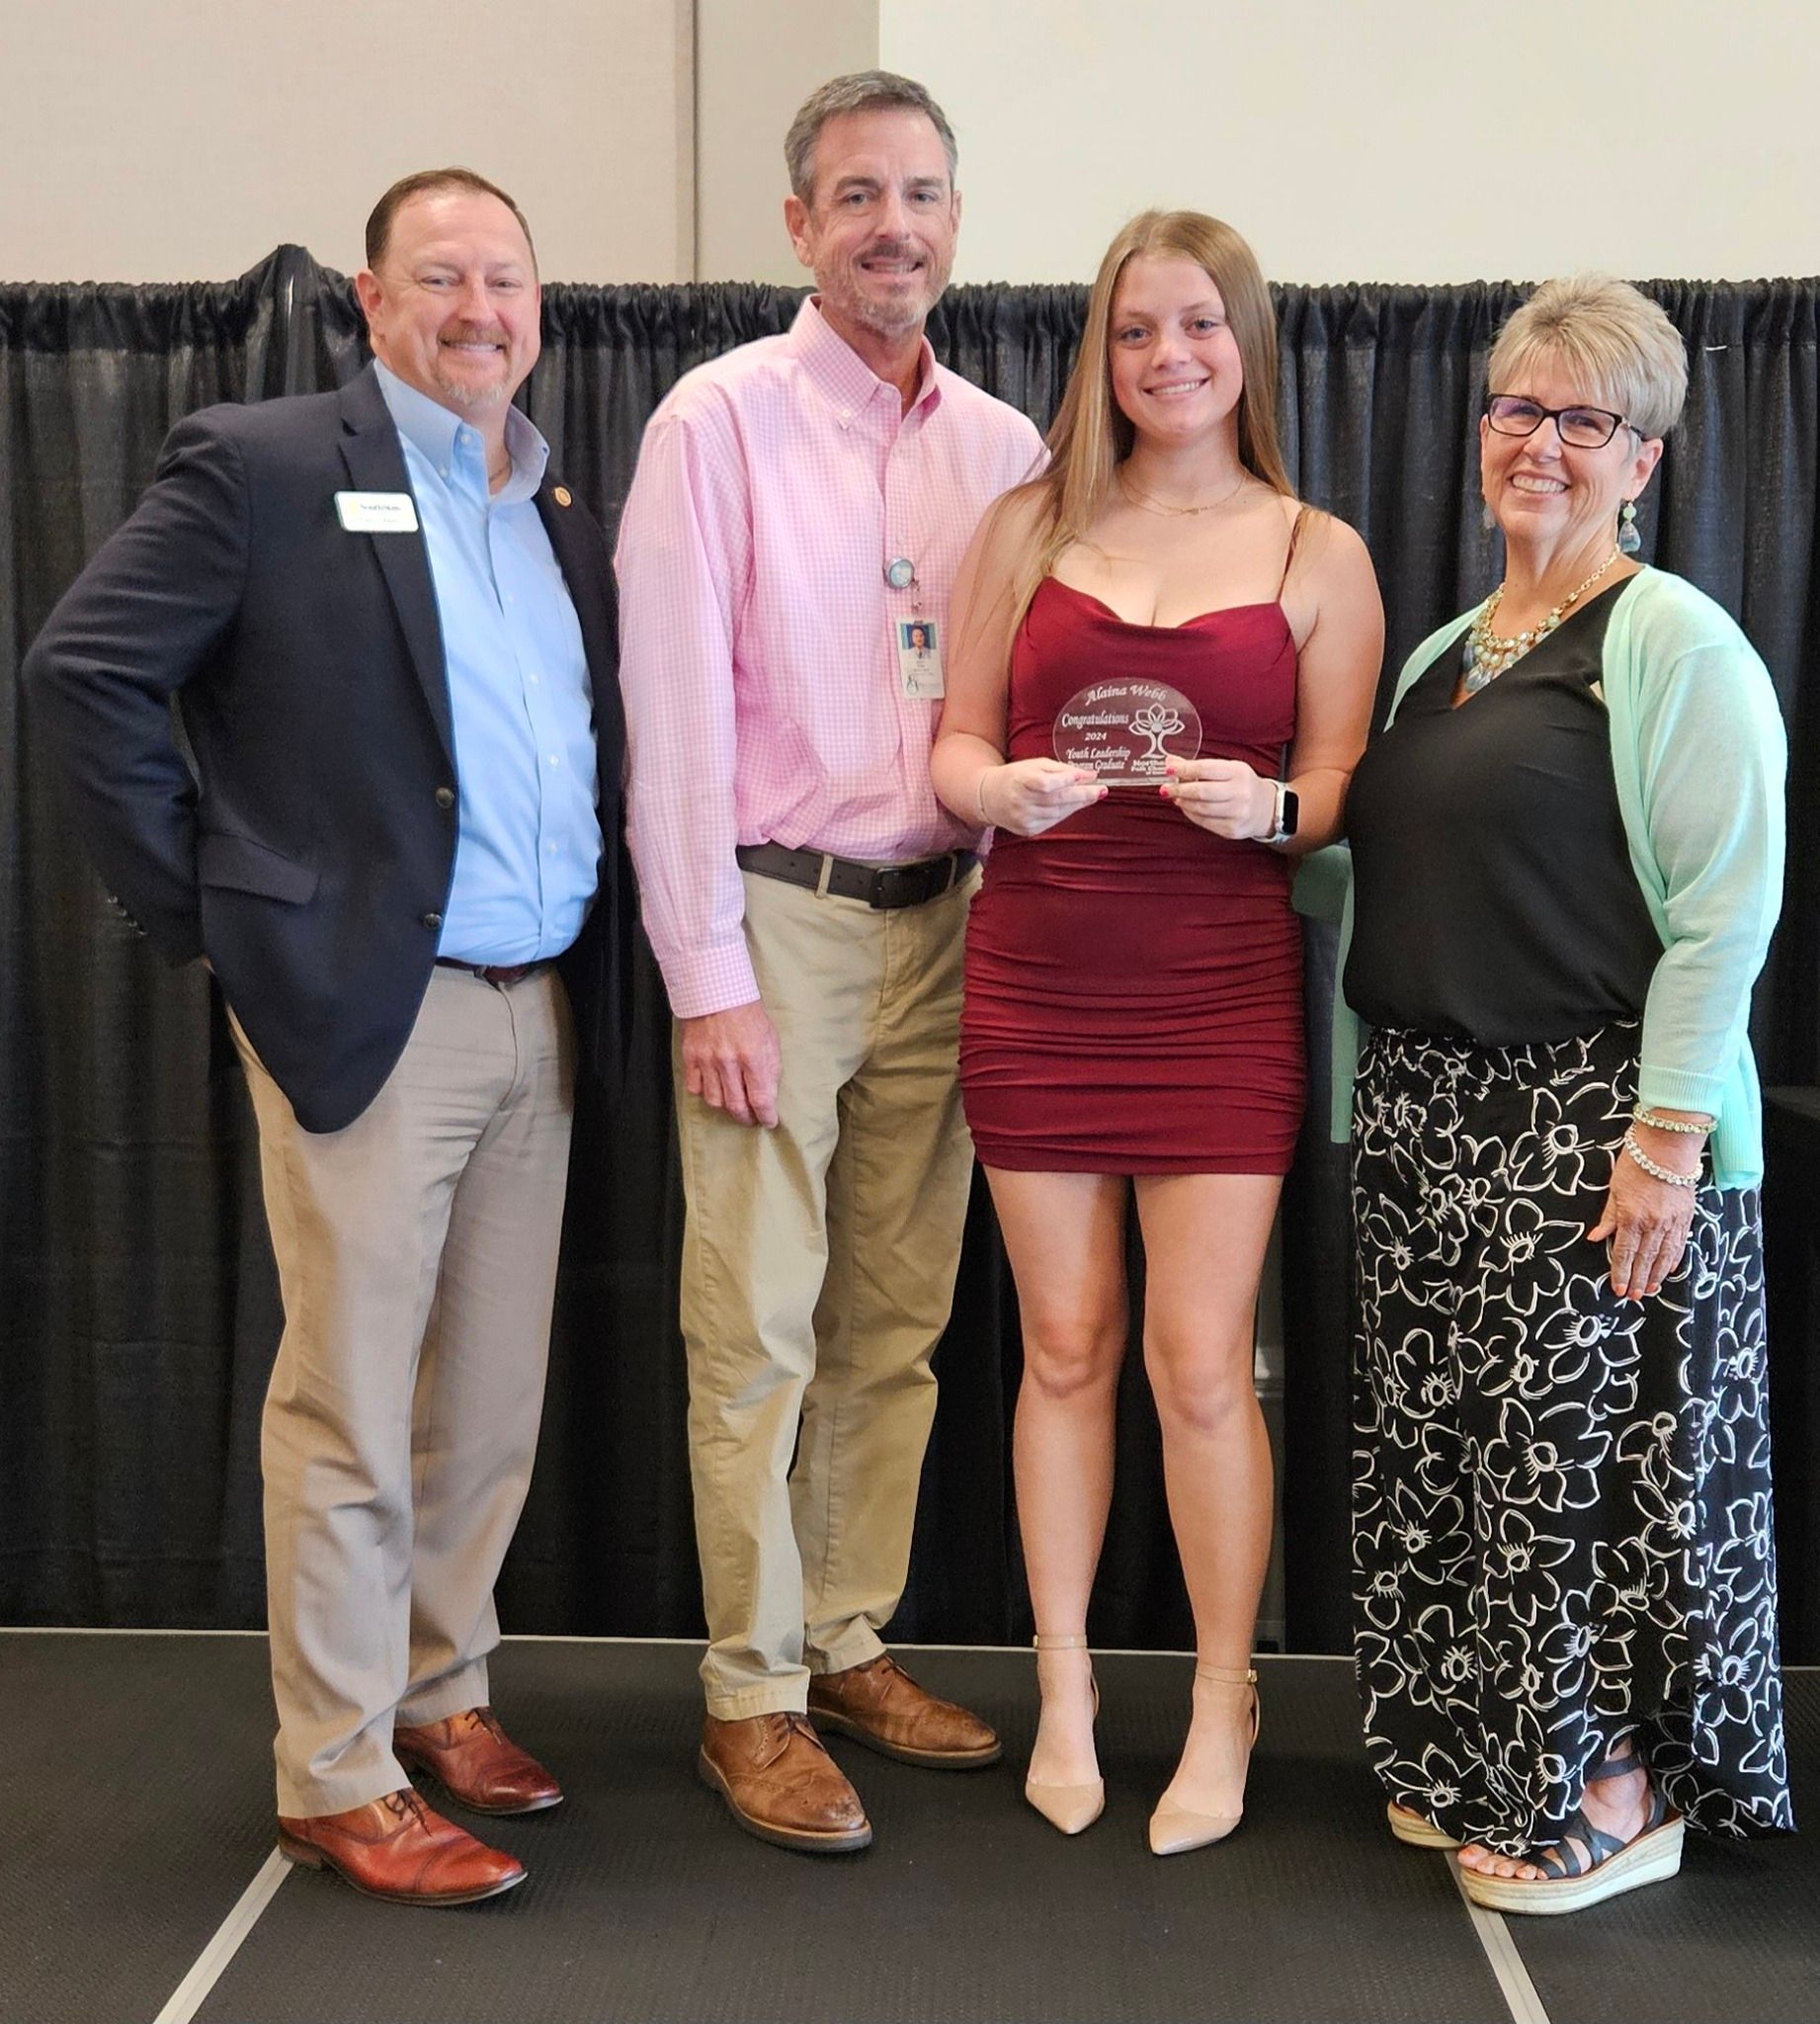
x,y
1555,414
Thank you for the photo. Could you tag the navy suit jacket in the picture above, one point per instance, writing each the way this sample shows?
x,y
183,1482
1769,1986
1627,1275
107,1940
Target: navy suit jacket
x,y
309,852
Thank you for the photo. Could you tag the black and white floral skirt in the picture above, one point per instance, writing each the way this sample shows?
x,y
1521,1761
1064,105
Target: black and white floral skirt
x,y
1561,1502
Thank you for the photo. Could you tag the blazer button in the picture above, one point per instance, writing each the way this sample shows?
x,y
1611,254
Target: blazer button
x,y
445,798
433,921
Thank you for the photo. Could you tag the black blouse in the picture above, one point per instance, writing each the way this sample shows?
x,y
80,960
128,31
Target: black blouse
x,y
1494,898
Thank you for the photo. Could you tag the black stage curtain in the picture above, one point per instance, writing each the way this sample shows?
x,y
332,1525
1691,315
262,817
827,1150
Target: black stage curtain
x,y
139,1310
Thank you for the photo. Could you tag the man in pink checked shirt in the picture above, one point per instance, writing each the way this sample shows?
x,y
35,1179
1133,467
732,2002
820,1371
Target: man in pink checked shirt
x,y
798,505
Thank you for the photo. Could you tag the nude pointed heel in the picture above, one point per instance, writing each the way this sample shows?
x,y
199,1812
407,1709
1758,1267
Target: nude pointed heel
x,y
1174,1830
1069,1808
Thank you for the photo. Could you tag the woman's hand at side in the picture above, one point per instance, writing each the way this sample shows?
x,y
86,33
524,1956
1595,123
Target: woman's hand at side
x,y
1644,1227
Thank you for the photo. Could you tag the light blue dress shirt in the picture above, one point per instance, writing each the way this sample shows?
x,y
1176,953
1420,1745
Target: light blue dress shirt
x,y
528,850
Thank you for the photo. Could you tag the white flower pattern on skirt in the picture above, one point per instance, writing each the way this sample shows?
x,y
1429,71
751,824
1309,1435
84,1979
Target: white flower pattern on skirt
x,y
1561,1502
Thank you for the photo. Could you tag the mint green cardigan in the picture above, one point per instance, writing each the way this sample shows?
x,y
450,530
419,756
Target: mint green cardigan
x,y
1699,754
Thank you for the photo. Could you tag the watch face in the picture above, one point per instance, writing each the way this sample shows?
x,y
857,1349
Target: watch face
x,y
1292,810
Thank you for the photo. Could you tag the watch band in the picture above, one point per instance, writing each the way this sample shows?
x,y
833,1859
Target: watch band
x,y
1288,809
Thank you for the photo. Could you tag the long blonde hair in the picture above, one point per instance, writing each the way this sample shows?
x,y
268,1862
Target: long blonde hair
x,y
1091,436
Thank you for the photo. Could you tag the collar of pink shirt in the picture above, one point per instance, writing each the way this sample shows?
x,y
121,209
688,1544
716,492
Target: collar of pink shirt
x,y
843,378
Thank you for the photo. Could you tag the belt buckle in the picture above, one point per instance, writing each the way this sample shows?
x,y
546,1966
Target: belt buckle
x,y
915,885
904,885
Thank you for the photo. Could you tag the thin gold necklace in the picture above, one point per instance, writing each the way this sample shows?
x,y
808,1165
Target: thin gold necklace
x,y
1489,653
1154,505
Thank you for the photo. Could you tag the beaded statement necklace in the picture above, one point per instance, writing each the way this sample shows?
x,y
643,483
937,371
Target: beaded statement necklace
x,y
1489,653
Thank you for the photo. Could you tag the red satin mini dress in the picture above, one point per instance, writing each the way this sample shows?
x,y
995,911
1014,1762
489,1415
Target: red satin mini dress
x,y
1134,984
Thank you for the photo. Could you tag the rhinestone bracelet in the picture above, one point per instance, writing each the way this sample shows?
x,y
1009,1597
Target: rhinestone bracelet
x,y
1656,1123
1655,1171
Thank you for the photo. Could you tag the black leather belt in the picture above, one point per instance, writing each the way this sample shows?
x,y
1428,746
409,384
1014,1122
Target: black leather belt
x,y
493,972
886,886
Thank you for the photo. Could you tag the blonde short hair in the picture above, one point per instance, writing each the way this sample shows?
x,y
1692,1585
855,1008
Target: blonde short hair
x,y
1606,333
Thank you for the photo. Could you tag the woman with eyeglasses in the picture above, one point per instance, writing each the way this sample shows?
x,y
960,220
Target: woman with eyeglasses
x,y
1567,856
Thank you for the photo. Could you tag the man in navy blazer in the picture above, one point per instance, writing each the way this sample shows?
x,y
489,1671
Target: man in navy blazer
x,y
391,637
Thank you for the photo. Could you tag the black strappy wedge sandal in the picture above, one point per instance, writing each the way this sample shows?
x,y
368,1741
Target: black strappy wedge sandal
x,y
1609,1867
1416,1831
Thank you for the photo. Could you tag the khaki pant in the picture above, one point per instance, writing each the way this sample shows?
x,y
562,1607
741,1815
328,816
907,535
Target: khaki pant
x,y
417,1257
818,1268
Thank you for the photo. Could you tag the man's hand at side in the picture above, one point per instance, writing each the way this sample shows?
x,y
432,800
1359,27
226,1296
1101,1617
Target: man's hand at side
x,y
732,1060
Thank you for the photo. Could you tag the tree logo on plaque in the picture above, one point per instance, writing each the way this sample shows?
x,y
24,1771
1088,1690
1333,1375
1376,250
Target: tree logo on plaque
x,y
1127,731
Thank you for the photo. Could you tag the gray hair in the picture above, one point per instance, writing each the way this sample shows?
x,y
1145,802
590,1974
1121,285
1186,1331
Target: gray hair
x,y
861,91
1630,354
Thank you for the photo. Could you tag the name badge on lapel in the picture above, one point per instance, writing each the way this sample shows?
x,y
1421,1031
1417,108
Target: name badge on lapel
x,y
377,512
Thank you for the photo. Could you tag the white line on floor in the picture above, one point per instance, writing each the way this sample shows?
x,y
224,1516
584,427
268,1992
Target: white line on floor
x,y
1514,1983
210,1964
577,1637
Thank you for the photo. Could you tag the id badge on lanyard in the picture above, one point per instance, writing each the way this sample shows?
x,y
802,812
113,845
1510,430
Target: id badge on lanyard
x,y
919,659
916,640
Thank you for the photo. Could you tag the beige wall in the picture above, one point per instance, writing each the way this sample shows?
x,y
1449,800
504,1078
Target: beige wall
x,y
1411,141
1406,141
183,140
757,60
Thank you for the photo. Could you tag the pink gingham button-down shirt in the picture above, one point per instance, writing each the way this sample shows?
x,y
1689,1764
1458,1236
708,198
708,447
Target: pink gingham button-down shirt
x,y
764,701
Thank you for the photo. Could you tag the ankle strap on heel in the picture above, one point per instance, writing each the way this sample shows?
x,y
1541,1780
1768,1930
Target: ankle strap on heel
x,y
1071,1642
1228,1675
1615,1765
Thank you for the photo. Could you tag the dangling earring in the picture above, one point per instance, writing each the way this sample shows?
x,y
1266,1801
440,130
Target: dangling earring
x,y
1628,540
1488,520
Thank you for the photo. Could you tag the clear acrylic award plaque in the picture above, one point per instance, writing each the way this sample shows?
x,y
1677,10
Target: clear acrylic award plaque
x,y
1127,731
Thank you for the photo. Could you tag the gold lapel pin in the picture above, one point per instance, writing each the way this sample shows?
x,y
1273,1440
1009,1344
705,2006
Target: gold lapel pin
x,y
564,496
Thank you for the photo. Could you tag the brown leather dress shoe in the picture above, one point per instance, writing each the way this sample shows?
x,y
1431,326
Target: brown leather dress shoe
x,y
879,1704
477,1764
781,1785
398,1849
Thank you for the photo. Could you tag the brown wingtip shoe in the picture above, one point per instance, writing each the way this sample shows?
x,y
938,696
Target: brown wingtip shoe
x,y
879,1704
398,1849
781,1785
477,1764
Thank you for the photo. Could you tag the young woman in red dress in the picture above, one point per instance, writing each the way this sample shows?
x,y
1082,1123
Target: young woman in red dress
x,y
1132,1020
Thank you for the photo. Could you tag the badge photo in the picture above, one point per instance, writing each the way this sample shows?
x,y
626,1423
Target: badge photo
x,y
919,657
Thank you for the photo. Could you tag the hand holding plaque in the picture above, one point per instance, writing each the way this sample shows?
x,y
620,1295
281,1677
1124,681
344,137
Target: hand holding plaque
x,y
1030,796
1223,796
1127,731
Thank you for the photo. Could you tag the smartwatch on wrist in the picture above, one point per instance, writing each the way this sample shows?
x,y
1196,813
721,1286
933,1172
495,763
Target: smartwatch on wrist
x,y
1289,812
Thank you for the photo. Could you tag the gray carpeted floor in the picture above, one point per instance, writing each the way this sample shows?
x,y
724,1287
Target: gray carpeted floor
x,y
135,1809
